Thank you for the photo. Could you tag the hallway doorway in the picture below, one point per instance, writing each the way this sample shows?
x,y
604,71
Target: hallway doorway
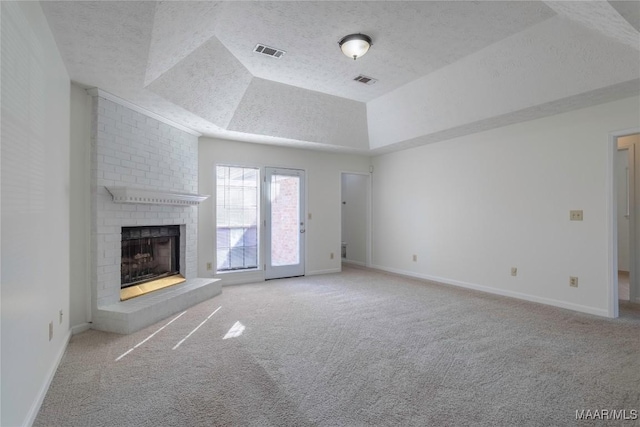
x,y
626,218
355,213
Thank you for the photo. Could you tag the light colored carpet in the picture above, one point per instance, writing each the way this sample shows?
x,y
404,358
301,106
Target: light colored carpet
x,y
353,349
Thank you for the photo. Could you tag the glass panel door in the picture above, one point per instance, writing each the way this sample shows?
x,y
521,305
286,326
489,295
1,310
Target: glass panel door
x,y
285,227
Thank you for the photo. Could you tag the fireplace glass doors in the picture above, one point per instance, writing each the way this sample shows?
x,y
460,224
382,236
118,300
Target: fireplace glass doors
x,y
149,253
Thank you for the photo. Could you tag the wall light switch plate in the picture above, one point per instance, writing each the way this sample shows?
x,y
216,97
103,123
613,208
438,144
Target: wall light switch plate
x,y
575,215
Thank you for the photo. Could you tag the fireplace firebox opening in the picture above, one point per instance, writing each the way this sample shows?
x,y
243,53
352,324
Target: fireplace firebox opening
x,y
149,253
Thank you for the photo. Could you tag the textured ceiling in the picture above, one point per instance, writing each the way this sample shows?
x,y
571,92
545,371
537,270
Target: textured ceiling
x,y
602,17
629,10
410,39
193,62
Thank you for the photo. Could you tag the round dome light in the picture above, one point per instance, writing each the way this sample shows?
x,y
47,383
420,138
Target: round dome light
x,y
355,45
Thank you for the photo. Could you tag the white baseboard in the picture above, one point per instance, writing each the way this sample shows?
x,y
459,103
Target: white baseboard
x,y
80,328
35,407
241,278
502,292
318,272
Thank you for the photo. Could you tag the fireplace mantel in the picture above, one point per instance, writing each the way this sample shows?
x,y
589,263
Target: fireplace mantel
x,y
154,197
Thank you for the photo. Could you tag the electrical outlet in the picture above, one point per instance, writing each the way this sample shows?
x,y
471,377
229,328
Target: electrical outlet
x,y
50,331
331,255
514,271
575,215
60,317
209,266
573,281
415,258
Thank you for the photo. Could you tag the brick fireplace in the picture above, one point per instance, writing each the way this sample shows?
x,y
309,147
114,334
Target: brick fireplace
x,y
144,172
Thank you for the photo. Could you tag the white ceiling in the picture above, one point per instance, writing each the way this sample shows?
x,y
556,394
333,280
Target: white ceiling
x,y
193,62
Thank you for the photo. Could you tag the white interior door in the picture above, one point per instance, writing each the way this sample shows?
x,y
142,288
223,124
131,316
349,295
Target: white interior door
x,y
284,223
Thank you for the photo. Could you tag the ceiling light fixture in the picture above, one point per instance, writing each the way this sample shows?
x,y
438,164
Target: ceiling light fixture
x,y
355,45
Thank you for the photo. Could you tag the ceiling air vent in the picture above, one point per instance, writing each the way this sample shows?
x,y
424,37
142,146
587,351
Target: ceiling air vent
x,y
269,51
366,80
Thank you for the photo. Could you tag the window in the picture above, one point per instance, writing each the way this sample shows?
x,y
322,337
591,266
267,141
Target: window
x,y
237,218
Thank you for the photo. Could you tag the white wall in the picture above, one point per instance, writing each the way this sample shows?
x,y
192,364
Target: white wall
x,y
35,209
80,195
323,196
622,159
473,207
355,190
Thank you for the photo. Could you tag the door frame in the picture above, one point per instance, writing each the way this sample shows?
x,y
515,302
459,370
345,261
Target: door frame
x,y
369,216
612,222
267,223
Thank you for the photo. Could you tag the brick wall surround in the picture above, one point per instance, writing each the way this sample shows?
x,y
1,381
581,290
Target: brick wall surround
x,y
130,149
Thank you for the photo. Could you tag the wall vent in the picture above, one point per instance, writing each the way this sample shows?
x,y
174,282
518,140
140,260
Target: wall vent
x,y
269,51
366,80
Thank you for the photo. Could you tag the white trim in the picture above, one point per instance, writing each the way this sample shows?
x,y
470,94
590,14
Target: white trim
x,y
625,132
35,408
319,272
80,328
106,95
370,219
612,232
369,214
502,292
154,197
612,229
